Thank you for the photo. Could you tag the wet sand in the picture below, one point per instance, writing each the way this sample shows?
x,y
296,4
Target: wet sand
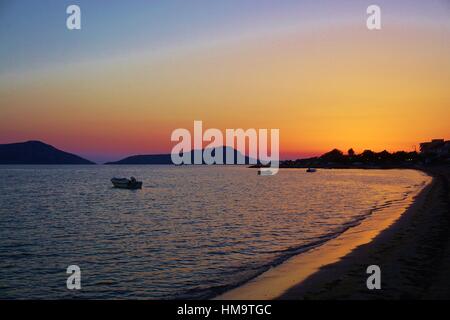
x,y
413,252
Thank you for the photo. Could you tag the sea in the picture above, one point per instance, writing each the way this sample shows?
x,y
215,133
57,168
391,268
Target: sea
x,y
192,232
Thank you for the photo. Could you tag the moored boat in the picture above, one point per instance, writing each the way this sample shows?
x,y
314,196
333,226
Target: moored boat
x,y
265,172
124,183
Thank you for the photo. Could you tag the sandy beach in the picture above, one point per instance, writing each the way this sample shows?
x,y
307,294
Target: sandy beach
x,y
412,250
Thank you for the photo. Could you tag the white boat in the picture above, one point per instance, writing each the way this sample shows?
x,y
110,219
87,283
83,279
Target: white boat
x,y
124,183
265,172
311,170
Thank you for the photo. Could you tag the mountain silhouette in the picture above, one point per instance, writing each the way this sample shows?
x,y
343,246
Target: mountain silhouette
x,y
36,152
167,159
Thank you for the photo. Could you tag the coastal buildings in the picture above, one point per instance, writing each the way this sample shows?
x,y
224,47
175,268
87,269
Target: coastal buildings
x,y
437,147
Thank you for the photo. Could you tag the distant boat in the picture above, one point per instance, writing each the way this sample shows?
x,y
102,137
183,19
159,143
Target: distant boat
x,y
265,172
124,183
311,170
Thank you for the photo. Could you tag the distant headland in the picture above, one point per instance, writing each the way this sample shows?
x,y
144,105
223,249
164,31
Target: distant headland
x,y
167,159
37,152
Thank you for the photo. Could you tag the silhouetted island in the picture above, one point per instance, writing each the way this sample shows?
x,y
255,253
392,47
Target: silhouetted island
x,y
37,152
166,158
145,159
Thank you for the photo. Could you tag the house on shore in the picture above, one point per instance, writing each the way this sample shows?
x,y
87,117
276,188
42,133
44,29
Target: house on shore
x,y
437,150
438,147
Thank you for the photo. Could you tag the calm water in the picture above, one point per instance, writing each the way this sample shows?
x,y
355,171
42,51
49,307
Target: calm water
x,y
192,232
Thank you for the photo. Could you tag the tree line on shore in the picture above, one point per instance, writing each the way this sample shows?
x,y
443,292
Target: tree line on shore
x,y
366,159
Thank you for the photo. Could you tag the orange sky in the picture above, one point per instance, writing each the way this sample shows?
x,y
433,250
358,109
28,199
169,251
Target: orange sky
x,y
323,87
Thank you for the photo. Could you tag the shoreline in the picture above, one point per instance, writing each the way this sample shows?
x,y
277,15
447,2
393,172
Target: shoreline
x,y
337,269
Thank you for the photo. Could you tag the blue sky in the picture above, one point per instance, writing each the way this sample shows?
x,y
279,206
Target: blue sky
x,y
33,33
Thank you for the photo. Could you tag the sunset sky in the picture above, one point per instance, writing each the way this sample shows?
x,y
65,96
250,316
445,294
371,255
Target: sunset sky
x,y
137,70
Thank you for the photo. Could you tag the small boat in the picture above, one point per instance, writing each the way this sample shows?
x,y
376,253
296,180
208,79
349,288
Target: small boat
x,y
265,172
311,170
124,183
